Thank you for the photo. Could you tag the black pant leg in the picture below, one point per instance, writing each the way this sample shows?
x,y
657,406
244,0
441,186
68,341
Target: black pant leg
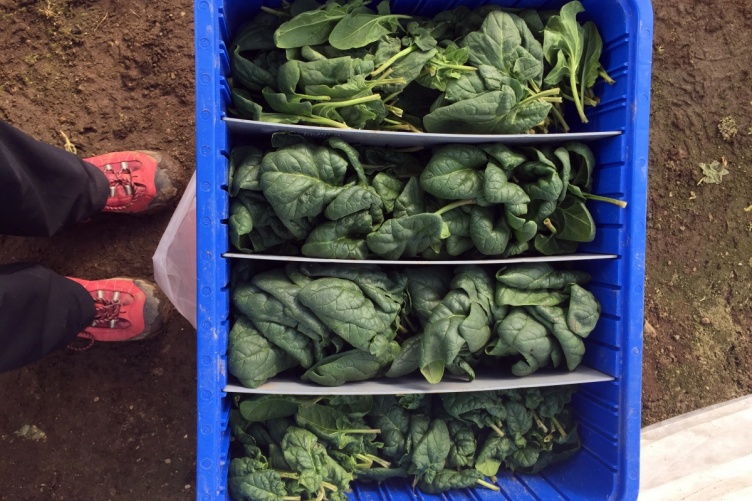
x,y
40,312
43,188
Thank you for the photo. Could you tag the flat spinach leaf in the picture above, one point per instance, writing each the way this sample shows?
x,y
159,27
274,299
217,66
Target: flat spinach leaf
x,y
301,180
344,367
455,173
406,236
252,359
495,112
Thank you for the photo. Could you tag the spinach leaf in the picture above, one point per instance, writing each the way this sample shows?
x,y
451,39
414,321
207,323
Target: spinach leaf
x,y
388,188
463,448
251,358
393,421
441,341
277,283
490,234
516,297
426,289
408,359
301,180
495,112
411,201
454,172
584,311
499,44
523,230
571,344
574,51
353,199
314,26
268,407
343,307
273,321
482,409
498,190
429,454
344,367
407,236
359,29
341,239
245,164
330,425
573,221
520,334
259,485
535,276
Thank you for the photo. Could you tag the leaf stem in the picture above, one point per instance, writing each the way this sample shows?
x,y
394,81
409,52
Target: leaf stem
x,y
560,118
409,323
620,203
539,422
559,427
350,102
398,125
374,459
313,98
576,96
331,487
291,498
536,97
277,13
498,430
394,110
288,474
393,59
488,485
363,432
605,76
458,67
453,206
548,224
324,121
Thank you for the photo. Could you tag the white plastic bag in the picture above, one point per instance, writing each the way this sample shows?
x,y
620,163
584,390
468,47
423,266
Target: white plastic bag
x,y
175,257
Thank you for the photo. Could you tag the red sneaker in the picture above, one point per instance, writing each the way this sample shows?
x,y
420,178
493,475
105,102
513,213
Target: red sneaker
x,y
140,181
126,309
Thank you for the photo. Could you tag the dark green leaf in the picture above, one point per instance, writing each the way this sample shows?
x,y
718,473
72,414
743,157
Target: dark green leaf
x,y
455,173
406,236
341,368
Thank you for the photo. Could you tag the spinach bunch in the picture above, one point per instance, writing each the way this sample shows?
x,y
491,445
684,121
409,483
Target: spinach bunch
x,y
351,323
288,448
338,323
534,312
337,201
347,64
548,315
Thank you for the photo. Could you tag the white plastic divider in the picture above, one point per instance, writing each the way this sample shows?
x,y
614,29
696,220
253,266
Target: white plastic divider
x,y
385,262
485,381
410,140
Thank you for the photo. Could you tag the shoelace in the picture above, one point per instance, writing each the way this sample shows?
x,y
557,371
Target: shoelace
x,y
126,182
105,316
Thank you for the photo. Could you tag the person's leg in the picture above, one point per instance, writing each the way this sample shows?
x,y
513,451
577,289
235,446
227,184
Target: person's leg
x,y
43,188
40,312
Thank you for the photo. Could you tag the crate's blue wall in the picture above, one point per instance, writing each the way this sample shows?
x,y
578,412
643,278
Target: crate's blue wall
x,y
609,412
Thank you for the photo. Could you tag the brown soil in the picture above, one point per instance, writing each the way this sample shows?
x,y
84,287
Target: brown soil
x,y
699,260
120,419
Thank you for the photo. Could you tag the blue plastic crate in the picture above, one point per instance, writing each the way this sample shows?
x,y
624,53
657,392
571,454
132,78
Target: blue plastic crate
x,y
609,413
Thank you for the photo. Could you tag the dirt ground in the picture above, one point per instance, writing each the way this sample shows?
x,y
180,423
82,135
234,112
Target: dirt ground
x,y
119,419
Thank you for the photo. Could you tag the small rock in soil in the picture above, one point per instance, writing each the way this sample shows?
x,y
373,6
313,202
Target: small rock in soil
x,y
31,432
